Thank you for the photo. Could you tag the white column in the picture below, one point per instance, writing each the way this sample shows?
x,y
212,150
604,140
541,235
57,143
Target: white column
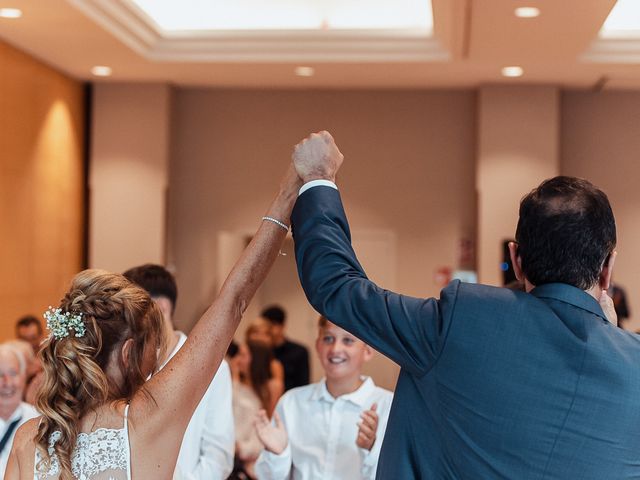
x,y
129,173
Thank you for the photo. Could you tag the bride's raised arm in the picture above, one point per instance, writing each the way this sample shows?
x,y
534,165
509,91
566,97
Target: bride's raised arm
x,y
176,390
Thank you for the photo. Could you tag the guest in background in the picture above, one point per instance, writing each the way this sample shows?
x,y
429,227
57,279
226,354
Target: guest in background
x,y
13,411
29,329
254,389
207,446
259,333
293,356
33,371
619,297
331,429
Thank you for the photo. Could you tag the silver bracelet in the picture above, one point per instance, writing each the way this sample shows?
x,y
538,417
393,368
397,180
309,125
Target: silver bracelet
x,y
277,222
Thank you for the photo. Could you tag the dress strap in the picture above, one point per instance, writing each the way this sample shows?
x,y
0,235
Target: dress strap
x,y
128,443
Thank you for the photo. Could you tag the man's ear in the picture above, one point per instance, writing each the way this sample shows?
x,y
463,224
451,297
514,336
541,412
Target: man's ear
x,y
368,353
166,307
125,351
516,261
607,270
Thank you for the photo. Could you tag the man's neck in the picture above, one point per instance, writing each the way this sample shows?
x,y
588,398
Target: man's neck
x,y
6,411
172,341
595,291
343,386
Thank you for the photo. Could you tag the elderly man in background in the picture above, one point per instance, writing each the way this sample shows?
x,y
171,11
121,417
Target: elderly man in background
x,y
13,411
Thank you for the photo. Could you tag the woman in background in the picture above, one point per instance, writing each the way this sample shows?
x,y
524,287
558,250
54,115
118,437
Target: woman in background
x,y
254,389
271,381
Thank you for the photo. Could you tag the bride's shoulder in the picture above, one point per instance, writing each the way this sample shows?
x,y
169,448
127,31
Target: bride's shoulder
x,y
24,443
21,459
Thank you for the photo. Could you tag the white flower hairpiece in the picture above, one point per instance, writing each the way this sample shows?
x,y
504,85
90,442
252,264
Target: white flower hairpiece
x,y
60,324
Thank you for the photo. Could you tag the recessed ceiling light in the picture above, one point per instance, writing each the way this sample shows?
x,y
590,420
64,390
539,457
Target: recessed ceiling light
x,y
10,12
101,71
305,71
527,12
513,71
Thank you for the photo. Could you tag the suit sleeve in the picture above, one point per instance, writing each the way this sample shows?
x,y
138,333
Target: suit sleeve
x,y
410,331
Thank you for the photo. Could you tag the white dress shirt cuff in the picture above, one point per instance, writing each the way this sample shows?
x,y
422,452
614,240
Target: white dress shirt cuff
x,y
271,466
369,460
316,183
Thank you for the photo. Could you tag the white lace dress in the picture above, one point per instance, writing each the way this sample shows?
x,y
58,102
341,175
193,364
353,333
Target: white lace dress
x,y
99,455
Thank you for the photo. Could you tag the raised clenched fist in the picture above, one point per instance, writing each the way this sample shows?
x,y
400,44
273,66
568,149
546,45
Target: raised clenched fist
x,y
317,157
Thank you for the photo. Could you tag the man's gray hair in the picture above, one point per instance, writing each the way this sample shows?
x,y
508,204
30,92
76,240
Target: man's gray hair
x,y
8,347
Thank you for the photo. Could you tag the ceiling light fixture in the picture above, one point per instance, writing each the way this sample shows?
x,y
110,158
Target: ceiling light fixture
x,y
305,71
101,71
527,12
512,71
10,12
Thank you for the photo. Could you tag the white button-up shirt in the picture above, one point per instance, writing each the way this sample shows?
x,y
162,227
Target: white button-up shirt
x,y
25,412
322,434
209,441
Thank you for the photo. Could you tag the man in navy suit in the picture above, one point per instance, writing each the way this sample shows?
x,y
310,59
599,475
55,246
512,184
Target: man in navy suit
x,y
495,383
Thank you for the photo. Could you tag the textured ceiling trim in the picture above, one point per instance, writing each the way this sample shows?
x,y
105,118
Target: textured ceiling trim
x,y
136,30
613,50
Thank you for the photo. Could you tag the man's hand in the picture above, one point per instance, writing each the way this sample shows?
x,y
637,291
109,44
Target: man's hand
x,y
367,428
273,437
317,157
606,303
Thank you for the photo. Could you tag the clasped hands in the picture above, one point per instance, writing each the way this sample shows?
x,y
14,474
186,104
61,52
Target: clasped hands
x,y
317,157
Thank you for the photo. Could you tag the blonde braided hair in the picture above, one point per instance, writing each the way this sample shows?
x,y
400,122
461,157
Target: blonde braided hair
x,y
114,311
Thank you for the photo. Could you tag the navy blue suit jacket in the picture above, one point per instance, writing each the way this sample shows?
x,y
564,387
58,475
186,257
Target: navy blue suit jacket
x,y
495,384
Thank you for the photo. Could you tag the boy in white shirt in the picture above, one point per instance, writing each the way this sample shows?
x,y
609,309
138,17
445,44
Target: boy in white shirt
x,y
332,429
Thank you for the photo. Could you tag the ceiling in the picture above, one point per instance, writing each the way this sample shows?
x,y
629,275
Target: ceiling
x,y
471,42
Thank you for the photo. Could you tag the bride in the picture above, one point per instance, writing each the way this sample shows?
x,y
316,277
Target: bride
x,y
100,420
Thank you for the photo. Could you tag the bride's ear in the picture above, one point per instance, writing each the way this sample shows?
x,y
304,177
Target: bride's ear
x,y
125,351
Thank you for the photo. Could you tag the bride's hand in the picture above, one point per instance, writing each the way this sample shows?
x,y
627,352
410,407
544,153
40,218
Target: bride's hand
x,y
290,182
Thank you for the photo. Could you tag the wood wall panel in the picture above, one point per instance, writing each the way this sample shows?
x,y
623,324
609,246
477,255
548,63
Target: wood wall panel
x,y
41,185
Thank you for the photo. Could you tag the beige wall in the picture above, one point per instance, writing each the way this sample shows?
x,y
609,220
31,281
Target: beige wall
x,y
518,145
129,175
41,185
601,142
408,176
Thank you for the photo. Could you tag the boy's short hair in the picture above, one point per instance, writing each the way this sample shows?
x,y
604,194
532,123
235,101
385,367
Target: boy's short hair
x,y
323,321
